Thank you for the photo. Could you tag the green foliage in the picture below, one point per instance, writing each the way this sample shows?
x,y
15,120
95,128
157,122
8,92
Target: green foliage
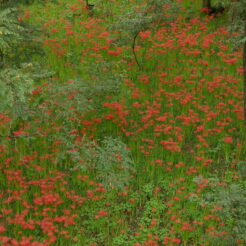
x,y
242,170
163,10
232,201
82,95
103,79
11,32
134,21
16,84
11,3
14,88
71,101
17,78
67,98
222,3
18,40
111,162
151,15
237,16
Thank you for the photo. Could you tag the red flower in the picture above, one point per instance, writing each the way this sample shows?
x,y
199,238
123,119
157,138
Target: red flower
x,y
230,61
103,213
114,52
176,240
145,34
161,118
2,229
228,139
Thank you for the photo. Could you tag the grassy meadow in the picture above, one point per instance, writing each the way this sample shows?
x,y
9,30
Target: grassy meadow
x,y
117,153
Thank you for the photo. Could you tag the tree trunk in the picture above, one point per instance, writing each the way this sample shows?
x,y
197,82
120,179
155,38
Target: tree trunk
x,y
244,69
206,4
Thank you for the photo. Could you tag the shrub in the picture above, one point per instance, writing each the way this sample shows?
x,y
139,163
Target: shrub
x,y
110,161
232,201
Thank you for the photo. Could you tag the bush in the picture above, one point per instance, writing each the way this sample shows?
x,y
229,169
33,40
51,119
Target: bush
x,y
232,201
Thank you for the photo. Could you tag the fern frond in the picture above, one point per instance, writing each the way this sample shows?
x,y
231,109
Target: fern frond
x,y
11,30
16,85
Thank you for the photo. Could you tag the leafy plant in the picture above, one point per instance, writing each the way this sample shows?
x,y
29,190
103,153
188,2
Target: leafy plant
x,y
16,84
11,32
10,3
237,13
82,95
17,78
242,170
111,162
232,201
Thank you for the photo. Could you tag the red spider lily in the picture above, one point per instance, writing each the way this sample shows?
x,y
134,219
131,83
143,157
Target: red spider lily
x,y
108,116
170,145
231,61
115,52
144,79
19,133
145,34
161,118
228,139
103,213
2,229
4,119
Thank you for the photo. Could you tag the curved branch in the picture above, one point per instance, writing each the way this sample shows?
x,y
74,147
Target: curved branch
x,y
133,49
244,69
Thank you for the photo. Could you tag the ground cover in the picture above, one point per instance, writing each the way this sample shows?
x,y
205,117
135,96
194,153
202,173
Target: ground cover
x,y
117,154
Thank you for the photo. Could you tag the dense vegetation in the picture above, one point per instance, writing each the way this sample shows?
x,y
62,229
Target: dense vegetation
x,y
122,123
